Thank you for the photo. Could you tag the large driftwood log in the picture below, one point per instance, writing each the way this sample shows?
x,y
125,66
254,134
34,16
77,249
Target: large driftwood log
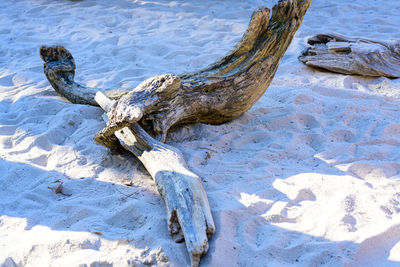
x,y
346,55
188,211
214,95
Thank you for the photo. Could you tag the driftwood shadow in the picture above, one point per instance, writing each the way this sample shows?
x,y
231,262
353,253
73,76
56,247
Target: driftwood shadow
x,y
120,214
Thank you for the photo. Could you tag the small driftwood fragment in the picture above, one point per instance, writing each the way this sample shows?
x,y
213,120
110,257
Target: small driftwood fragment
x,y
188,211
346,55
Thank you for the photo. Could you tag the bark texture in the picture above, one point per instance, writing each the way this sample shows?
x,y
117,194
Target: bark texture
x,y
59,68
214,95
188,211
346,55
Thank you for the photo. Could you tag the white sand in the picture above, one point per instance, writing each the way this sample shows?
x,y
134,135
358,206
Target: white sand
x,y
310,176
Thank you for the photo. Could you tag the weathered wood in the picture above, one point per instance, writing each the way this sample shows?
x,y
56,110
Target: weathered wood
x,y
59,68
346,55
188,211
214,95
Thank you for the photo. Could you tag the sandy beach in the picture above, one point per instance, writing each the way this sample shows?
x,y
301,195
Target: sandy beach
x,y
309,176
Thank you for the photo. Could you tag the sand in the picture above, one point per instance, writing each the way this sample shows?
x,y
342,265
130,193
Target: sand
x,y
310,176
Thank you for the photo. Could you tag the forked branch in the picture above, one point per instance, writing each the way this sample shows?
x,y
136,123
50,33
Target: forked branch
x,y
188,211
214,95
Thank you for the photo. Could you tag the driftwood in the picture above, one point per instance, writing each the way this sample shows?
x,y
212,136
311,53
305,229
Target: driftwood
x,y
346,55
188,211
214,95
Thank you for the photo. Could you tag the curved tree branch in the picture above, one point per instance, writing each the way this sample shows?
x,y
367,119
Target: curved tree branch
x,y
214,95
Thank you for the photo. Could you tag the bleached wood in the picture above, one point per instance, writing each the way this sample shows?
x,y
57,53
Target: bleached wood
x,y
357,56
214,95
188,210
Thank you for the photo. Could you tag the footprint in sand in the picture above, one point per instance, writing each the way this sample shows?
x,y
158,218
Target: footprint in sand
x,y
350,222
294,122
253,230
349,205
302,99
341,135
130,217
254,233
282,212
72,215
307,144
393,207
374,173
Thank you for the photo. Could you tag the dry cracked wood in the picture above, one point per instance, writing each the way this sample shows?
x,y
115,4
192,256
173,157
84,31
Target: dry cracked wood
x,y
214,95
59,68
188,211
346,55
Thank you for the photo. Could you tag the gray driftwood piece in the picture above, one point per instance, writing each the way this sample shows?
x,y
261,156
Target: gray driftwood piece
x,y
214,95
188,211
346,55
